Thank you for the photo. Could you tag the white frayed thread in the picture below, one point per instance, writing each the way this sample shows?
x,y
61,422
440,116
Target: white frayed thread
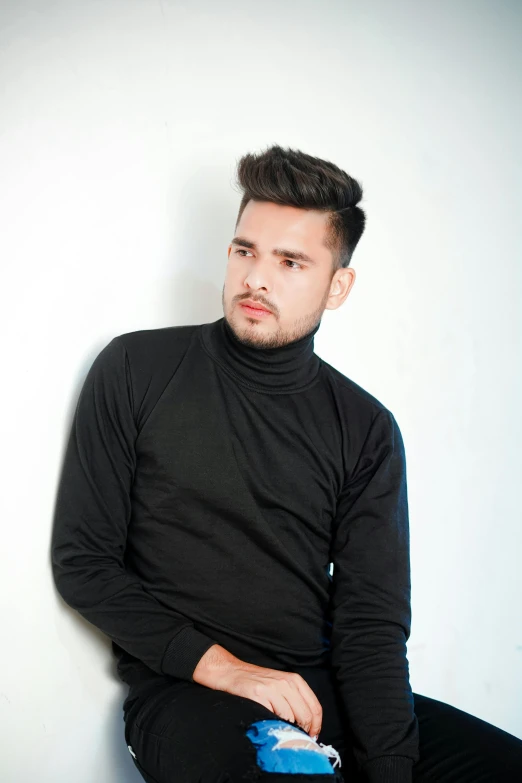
x,y
288,733
131,751
331,751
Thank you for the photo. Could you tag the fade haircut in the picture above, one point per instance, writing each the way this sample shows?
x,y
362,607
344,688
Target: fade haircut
x,y
292,178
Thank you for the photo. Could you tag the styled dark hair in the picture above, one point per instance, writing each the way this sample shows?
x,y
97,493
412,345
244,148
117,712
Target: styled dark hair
x,y
292,178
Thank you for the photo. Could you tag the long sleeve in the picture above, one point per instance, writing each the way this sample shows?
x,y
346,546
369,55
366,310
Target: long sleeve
x,y
92,515
371,611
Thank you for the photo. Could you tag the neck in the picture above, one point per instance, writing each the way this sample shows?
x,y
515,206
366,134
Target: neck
x,y
286,368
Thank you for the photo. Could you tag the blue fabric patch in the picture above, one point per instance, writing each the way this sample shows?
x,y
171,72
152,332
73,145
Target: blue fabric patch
x,y
289,759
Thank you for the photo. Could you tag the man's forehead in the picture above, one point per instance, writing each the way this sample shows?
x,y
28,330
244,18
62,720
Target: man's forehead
x,y
287,227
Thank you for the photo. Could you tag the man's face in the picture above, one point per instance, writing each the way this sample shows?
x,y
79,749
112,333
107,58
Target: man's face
x,y
295,290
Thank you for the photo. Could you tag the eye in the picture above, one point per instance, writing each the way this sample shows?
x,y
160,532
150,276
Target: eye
x,y
285,261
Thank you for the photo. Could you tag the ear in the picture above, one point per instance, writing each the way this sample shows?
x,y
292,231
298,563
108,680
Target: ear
x,y
341,285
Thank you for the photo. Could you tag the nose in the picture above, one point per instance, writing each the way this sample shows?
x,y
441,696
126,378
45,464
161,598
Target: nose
x,y
258,276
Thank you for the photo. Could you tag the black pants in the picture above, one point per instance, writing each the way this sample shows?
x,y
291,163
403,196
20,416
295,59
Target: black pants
x,y
182,732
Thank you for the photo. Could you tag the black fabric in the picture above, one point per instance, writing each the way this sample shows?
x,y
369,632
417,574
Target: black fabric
x,y
182,731
207,487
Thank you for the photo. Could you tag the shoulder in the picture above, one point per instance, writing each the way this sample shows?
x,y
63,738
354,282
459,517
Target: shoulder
x,y
147,346
357,400
367,425
152,356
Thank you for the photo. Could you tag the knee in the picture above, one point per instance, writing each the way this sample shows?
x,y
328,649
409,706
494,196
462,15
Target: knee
x,y
300,743
281,747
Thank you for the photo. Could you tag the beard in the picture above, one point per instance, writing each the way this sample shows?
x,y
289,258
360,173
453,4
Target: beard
x,y
250,332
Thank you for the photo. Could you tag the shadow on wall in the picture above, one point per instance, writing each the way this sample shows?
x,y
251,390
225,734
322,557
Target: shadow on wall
x,y
118,767
122,766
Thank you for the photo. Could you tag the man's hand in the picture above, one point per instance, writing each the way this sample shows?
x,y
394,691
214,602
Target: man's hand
x,y
287,694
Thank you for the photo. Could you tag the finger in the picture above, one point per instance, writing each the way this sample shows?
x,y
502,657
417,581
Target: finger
x,y
276,703
314,705
265,703
281,706
299,705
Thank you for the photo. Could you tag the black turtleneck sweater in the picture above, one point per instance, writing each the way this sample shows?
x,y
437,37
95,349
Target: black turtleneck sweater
x,y
207,487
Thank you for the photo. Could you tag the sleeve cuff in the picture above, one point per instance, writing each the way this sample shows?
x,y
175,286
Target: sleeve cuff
x,y
184,652
389,769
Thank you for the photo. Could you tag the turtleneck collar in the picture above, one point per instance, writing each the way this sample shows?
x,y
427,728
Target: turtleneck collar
x,y
288,368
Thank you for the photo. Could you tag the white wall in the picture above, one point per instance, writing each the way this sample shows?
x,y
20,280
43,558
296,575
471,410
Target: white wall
x,y
120,125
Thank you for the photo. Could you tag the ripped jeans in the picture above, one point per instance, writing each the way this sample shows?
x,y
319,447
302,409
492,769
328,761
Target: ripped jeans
x,y
182,732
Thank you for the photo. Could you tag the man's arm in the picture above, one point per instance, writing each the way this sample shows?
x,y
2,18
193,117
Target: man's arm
x,y
371,611
92,514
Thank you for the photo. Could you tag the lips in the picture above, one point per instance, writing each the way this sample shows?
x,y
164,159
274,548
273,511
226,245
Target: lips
x,y
256,306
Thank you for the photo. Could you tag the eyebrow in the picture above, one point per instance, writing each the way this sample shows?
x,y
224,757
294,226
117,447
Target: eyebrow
x,y
295,255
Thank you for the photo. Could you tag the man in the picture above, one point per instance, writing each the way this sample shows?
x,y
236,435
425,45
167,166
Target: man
x,y
213,475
